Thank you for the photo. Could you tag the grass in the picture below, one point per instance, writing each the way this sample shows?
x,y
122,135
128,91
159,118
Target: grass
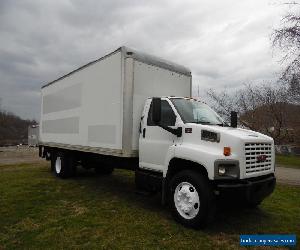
x,y
37,210
288,161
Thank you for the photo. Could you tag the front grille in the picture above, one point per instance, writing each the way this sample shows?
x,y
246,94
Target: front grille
x,y
258,157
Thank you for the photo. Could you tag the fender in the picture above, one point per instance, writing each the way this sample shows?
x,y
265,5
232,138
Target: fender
x,y
194,153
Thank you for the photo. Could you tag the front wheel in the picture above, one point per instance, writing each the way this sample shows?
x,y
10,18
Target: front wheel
x,y
252,204
192,199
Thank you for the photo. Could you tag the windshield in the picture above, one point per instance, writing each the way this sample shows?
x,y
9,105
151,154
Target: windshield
x,y
194,111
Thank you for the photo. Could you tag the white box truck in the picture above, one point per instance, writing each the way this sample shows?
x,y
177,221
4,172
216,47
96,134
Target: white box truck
x,y
135,111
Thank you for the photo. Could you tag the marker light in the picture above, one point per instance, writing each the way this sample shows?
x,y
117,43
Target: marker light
x,y
227,151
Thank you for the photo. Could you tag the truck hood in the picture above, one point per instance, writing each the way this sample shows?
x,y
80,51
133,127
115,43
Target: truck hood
x,y
241,143
240,133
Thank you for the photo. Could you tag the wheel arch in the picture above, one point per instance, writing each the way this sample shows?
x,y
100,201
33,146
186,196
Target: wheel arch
x,y
177,164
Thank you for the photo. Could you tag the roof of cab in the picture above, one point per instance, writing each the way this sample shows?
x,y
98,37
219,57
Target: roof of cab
x,y
139,56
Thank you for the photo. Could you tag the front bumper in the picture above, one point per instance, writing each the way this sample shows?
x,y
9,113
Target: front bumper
x,y
252,189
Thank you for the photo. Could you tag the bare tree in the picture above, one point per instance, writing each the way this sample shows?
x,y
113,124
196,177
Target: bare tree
x,y
261,108
244,100
287,39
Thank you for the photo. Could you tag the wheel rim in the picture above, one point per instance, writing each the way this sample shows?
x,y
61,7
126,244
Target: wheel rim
x,y
186,200
58,165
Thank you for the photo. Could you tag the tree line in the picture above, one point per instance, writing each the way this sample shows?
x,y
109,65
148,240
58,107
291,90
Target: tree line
x,y
13,129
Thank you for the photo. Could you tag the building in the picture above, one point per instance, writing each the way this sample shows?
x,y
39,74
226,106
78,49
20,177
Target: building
x,y
33,135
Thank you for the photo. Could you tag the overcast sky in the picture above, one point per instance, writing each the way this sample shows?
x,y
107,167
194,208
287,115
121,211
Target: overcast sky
x,y
224,43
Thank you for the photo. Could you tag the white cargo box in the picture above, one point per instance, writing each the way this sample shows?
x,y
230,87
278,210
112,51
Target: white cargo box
x,y
97,108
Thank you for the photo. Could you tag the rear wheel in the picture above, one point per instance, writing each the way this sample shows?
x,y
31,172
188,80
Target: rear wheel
x,y
63,165
48,156
52,161
192,199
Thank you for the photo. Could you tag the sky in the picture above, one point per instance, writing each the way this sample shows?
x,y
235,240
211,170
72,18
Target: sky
x,y
224,43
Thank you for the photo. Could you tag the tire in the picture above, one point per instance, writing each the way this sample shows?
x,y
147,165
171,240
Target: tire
x,y
192,199
48,156
104,170
52,161
63,165
252,204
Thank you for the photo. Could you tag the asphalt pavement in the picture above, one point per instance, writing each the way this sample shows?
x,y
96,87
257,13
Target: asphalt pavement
x,y
287,175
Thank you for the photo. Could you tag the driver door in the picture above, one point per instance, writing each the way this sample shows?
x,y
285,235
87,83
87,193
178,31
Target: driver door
x,y
154,142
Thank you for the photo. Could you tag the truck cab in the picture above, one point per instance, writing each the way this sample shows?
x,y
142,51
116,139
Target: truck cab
x,y
198,155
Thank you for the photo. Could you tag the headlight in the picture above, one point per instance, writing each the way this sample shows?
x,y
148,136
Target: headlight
x,y
222,170
227,169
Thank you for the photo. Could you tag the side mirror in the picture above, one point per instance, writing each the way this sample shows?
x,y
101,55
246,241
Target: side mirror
x,y
233,119
156,110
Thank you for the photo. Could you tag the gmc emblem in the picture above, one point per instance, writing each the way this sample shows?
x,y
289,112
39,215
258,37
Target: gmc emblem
x,y
261,158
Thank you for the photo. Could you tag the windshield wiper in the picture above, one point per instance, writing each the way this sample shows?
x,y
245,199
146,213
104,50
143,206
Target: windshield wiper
x,y
206,123
223,124
209,123
215,124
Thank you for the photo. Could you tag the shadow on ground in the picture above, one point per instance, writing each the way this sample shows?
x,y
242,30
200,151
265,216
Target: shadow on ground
x,y
230,215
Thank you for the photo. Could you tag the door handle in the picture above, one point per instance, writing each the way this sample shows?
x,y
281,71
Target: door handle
x,y
140,128
144,132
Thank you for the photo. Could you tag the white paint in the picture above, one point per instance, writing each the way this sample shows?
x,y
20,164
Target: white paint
x,y
101,103
156,144
152,81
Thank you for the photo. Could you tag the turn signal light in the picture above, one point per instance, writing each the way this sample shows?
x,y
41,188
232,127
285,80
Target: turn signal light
x,y
227,151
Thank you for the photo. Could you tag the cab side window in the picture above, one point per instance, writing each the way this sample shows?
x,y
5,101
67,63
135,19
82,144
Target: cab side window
x,y
168,118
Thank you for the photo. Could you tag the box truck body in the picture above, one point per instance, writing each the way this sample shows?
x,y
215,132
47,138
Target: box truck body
x,y
135,111
97,108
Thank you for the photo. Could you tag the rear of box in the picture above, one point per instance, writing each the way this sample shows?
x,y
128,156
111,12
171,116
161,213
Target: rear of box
x,y
84,110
